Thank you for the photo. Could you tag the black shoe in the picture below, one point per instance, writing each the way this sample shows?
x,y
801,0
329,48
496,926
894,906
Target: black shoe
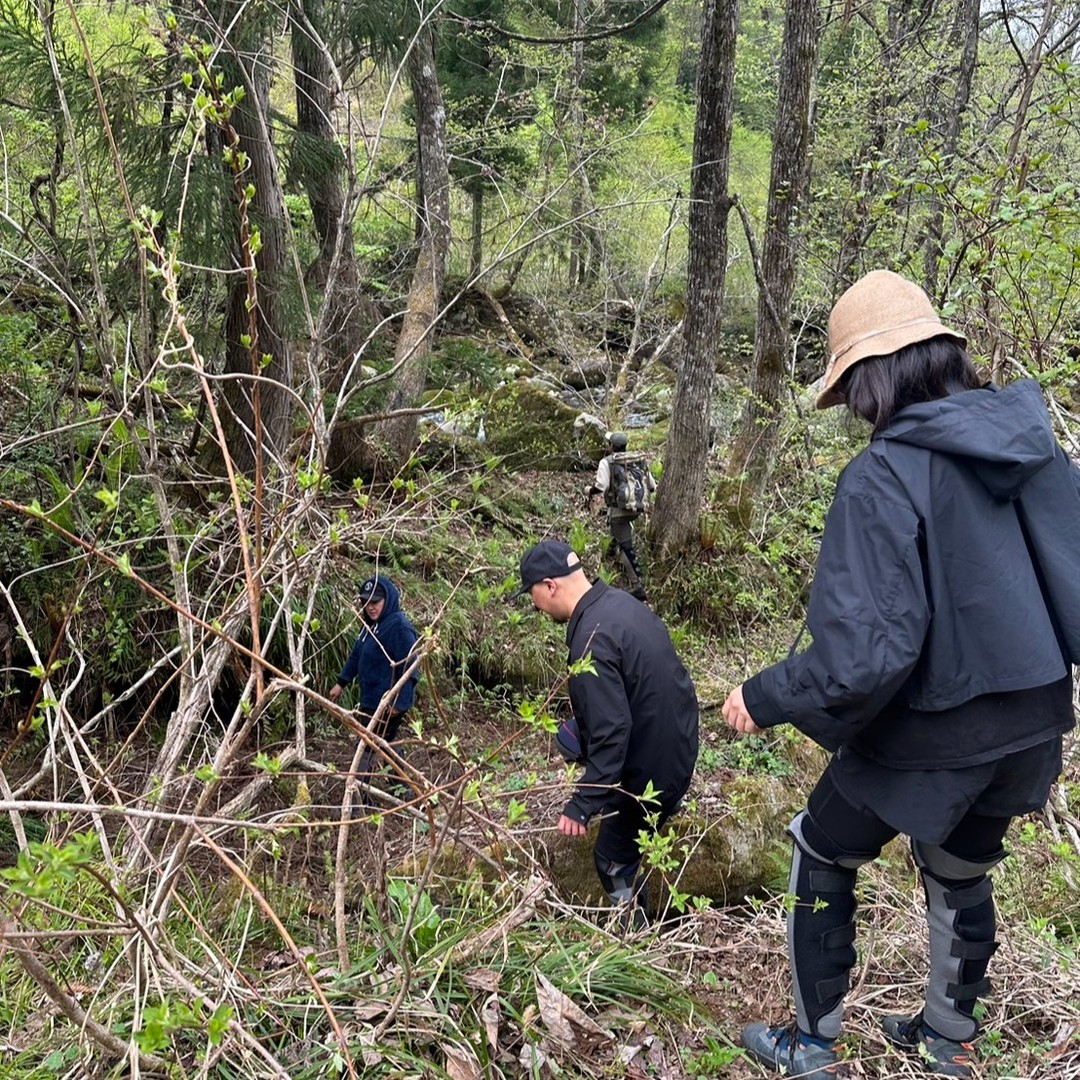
x,y
639,594
942,1056
787,1050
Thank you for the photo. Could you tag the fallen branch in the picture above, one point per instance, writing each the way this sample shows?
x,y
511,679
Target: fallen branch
x,y
75,1012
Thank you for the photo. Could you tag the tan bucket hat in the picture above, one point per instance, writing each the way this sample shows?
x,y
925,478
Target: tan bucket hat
x,y
881,313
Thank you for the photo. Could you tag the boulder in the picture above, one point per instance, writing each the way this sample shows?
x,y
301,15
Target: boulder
x,y
736,842
531,429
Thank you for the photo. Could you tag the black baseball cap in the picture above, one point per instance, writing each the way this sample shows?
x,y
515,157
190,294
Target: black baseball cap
x,y
371,590
548,559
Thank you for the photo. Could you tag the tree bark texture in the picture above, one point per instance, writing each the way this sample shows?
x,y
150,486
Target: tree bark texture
x,y
397,435
966,35
675,520
576,162
476,239
270,400
755,444
902,26
320,163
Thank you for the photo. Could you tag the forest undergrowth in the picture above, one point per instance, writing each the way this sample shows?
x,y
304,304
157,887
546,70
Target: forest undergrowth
x,y
257,935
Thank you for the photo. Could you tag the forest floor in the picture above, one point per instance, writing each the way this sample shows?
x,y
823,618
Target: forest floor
x,y
728,962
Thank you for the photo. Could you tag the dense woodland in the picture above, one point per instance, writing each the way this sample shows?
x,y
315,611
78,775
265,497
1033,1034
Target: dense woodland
x,y
291,293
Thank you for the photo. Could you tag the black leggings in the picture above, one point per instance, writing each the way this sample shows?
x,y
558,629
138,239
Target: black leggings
x,y
847,831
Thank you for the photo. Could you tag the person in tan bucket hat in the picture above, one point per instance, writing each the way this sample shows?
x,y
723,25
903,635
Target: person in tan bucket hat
x,y
879,315
944,617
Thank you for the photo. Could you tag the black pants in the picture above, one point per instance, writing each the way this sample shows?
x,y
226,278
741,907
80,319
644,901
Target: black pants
x,y
617,853
852,831
372,761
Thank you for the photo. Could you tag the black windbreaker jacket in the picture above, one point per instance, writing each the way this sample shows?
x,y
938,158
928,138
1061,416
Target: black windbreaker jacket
x,y
949,569
638,715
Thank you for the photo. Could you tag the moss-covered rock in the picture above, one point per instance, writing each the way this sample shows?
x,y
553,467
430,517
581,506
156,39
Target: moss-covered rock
x,y
530,428
736,847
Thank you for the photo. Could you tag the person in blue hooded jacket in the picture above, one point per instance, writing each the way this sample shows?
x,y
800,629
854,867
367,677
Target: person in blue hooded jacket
x,y
944,621
377,661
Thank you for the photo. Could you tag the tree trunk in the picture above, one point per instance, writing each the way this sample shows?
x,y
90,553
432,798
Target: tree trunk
x,y
966,35
321,166
903,23
319,162
396,436
260,401
476,242
755,444
576,267
675,519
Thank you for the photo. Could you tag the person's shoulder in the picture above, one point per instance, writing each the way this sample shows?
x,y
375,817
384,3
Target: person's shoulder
x,y
399,620
619,609
878,468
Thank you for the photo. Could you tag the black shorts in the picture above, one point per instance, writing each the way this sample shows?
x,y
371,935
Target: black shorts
x,y
928,804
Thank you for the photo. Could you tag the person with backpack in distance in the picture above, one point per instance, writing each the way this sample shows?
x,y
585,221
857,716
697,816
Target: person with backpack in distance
x,y
378,658
944,619
624,479
634,722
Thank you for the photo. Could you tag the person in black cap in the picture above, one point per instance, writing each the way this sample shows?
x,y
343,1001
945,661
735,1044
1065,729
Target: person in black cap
x,y
378,658
635,719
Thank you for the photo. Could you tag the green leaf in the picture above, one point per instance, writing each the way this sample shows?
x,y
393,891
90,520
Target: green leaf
x,y
219,1024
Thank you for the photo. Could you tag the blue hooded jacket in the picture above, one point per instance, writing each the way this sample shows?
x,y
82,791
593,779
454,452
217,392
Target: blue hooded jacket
x,y
380,653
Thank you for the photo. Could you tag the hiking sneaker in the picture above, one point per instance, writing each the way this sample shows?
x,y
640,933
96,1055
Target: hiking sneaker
x,y
942,1056
792,1052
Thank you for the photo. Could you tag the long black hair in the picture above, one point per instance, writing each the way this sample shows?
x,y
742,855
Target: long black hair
x,y
877,388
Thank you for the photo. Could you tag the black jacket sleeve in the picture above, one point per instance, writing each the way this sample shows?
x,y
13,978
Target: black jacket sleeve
x,y
868,617
601,698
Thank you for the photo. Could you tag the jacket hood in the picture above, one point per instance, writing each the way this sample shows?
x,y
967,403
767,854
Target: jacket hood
x,y
1005,434
393,598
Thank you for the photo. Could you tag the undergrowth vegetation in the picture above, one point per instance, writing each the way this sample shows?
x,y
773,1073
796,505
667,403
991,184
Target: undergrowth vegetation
x,y
239,916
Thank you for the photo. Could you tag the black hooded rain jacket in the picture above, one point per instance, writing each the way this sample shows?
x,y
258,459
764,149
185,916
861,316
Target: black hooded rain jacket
x,y
949,569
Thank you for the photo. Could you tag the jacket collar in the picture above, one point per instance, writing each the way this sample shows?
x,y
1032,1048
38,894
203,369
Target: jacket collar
x,y
598,589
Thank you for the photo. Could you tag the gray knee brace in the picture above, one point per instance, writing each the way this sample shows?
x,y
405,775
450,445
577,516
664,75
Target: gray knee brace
x,y
821,931
960,917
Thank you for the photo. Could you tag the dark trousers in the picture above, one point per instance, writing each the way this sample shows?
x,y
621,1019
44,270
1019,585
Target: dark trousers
x,y
371,761
851,831
617,853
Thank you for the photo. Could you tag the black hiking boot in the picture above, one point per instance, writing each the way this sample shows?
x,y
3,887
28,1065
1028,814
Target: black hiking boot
x,y
941,1056
787,1050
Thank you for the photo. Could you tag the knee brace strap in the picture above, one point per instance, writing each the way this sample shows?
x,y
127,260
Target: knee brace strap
x,y
973,950
960,916
971,896
838,938
968,992
944,865
830,881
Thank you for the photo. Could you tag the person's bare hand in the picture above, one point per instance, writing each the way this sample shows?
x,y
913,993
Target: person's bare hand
x,y
736,715
569,827
335,692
